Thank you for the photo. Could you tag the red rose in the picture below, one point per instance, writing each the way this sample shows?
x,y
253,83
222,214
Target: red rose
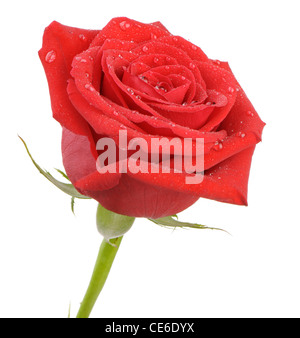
x,y
142,79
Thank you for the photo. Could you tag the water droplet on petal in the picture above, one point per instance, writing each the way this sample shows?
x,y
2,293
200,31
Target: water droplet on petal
x,y
50,57
155,60
144,78
89,87
145,49
194,47
218,145
167,67
175,39
231,90
192,65
241,134
250,113
168,59
82,37
130,91
124,25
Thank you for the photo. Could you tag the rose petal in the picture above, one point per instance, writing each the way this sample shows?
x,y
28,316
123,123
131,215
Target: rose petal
x,y
223,82
104,125
139,199
80,164
225,183
154,47
64,43
243,116
128,30
191,116
193,51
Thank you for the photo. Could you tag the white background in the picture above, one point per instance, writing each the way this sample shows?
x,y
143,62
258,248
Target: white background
x,y
47,254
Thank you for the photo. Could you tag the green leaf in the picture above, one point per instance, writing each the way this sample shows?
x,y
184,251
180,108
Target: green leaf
x,y
65,187
171,222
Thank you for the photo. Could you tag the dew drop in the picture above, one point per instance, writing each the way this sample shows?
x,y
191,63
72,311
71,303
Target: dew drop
x,y
192,65
231,90
175,39
145,49
194,47
168,59
82,37
241,134
130,91
144,79
218,145
50,57
167,67
250,113
124,25
89,87
155,60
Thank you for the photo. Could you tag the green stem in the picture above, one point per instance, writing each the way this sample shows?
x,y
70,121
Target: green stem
x,y
103,264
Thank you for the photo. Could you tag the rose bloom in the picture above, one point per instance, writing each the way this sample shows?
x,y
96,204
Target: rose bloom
x,y
140,78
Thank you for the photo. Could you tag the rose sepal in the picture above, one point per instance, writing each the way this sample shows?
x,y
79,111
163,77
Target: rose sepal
x,y
112,225
67,188
171,222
